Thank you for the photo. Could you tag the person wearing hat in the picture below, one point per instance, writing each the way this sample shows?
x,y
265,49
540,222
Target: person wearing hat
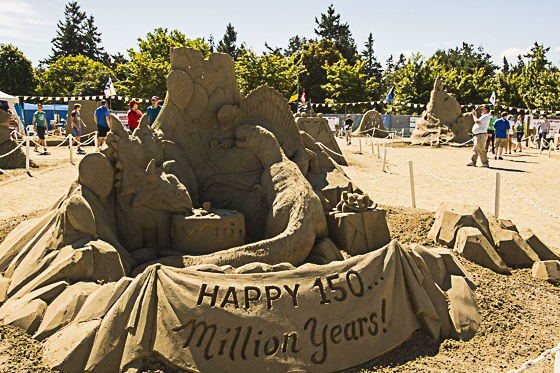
x,y
480,135
348,123
153,111
134,115
40,127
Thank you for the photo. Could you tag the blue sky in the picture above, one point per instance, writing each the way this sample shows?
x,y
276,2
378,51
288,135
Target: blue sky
x,y
501,27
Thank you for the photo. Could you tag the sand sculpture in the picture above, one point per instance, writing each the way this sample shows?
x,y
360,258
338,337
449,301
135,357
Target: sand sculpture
x,y
216,239
372,124
320,132
442,120
7,144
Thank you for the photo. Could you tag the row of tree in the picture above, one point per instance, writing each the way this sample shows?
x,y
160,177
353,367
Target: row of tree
x,y
329,67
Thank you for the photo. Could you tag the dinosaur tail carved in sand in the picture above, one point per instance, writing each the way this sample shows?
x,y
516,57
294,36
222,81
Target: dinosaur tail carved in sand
x,y
295,220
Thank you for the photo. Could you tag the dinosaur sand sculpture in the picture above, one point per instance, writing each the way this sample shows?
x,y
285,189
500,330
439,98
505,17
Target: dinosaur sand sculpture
x,y
111,276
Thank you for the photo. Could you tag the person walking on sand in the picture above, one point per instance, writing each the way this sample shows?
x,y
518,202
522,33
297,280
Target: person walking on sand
x,y
502,135
480,134
519,132
134,114
153,111
511,134
40,127
102,120
491,135
77,124
544,127
348,123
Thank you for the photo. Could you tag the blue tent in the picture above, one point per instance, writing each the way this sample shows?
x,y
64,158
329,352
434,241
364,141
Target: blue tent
x,y
50,110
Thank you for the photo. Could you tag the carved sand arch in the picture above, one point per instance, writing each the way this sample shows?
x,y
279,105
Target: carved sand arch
x,y
187,284
370,121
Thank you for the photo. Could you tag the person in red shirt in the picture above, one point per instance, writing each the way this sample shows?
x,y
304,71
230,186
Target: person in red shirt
x,y
134,115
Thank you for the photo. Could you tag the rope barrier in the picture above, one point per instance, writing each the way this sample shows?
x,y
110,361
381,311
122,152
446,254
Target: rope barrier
x,y
13,150
328,150
377,178
531,363
30,183
451,181
529,201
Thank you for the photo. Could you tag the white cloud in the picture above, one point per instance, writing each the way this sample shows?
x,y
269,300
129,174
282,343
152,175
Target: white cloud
x,y
407,54
557,49
22,23
512,53
431,45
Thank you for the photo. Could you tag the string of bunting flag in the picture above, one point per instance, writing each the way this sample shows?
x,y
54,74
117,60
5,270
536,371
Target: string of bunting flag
x,y
85,98
410,104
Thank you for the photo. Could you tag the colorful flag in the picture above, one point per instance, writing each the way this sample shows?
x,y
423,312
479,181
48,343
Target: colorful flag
x,y
492,101
109,89
302,99
293,97
391,95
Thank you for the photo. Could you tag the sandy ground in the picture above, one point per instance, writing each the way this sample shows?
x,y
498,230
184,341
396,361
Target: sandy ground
x,y
535,176
521,317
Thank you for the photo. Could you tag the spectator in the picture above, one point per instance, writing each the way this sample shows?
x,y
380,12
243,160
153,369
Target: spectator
x,y
102,120
40,127
348,123
134,115
153,111
511,134
480,134
502,134
77,123
544,128
519,132
491,135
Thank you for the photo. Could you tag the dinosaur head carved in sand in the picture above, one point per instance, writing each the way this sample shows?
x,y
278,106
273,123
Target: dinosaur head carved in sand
x,y
230,116
154,188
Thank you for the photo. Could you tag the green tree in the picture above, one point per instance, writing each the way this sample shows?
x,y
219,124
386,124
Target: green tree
x,y
295,45
330,27
313,57
372,68
539,83
74,76
278,72
146,72
16,72
348,83
227,44
467,58
76,36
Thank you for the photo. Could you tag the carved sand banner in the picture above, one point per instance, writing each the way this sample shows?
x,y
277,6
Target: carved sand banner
x,y
318,319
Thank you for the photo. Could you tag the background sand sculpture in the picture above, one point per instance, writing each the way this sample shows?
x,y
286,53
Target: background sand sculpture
x,y
54,265
7,144
442,119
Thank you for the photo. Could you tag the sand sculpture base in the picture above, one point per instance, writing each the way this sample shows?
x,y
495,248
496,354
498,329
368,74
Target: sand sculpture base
x,y
222,237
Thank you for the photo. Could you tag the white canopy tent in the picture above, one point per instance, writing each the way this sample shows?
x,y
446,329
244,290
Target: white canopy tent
x,y
12,100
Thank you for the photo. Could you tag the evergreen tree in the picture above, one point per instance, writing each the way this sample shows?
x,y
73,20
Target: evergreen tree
x,y
467,58
76,36
211,43
372,68
296,44
227,44
330,28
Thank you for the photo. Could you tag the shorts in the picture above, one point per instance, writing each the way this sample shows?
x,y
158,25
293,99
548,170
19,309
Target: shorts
x,y
41,132
500,143
348,133
519,136
102,131
77,133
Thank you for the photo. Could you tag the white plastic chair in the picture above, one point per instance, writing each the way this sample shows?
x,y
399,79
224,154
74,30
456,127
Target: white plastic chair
x,y
30,131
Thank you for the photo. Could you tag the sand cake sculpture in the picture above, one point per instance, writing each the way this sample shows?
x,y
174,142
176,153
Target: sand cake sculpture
x,y
442,120
212,242
372,124
7,145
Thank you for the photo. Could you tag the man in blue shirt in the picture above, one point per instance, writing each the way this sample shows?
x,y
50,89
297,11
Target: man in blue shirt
x,y
501,126
101,117
153,111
